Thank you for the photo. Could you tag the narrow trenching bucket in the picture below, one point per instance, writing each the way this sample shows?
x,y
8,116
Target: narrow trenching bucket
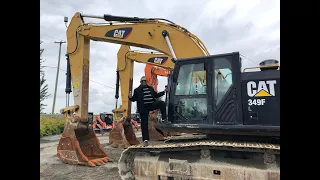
x,y
122,135
79,144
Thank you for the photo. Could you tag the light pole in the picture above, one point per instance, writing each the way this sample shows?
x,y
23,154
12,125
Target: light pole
x,y
57,76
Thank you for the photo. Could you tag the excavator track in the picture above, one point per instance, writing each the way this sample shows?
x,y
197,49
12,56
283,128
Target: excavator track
x,y
186,137
150,165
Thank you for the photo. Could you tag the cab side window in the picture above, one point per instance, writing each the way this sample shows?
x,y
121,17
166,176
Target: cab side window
x,y
222,78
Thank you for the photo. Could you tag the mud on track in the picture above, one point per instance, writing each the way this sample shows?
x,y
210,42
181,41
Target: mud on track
x,y
52,168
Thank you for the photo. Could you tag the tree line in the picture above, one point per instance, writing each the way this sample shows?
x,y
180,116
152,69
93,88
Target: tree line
x,y
43,85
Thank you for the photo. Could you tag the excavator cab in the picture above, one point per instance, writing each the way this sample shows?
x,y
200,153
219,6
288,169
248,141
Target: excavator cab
x,y
211,95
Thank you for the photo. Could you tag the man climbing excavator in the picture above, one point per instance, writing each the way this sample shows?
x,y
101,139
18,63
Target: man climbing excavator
x,y
126,58
125,55
237,111
125,65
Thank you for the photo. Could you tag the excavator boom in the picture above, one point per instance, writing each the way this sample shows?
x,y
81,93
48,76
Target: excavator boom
x,y
150,34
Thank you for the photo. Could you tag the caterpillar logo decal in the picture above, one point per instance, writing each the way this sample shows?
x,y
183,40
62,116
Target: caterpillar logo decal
x,y
259,90
158,60
121,33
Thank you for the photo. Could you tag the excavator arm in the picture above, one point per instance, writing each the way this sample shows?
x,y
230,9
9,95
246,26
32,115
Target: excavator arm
x,y
156,63
168,38
152,73
78,144
160,71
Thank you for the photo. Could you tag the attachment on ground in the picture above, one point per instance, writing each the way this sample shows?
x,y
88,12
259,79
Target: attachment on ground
x,y
78,143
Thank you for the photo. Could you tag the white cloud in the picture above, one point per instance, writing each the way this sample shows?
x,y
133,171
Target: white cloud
x,y
251,27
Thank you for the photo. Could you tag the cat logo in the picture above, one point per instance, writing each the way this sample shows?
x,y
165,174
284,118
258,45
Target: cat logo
x,y
121,33
158,60
118,33
261,89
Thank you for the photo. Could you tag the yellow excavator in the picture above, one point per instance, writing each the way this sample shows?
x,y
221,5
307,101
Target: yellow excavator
x,y
144,33
125,66
237,112
126,58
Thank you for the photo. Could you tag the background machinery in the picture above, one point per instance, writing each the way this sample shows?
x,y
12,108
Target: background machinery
x,y
152,72
237,112
136,117
103,122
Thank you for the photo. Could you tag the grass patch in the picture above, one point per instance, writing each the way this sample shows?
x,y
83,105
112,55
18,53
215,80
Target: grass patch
x,y
51,125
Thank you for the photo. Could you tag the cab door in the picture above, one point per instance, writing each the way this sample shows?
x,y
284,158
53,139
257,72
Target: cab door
x,y
190,92
226,89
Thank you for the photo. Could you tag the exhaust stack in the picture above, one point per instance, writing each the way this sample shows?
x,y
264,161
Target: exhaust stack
x,y
269,64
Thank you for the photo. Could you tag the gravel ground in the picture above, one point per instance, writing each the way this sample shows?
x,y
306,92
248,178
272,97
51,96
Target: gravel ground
x,y
52,168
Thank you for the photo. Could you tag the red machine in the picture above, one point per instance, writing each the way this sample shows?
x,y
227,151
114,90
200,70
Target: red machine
x,y
104,123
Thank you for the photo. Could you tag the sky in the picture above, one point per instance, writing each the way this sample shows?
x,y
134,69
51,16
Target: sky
x,y
251,27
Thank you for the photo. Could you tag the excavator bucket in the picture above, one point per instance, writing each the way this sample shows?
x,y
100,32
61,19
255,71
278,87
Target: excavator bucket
x,y
79,144
155,135
122,135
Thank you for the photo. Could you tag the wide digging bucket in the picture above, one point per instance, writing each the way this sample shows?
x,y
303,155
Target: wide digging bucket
x,y
122,135
154,134
79,144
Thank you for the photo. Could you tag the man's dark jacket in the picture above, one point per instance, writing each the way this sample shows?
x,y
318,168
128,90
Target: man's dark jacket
x,y
138,96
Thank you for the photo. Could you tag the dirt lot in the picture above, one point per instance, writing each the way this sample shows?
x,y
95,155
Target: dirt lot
x,y
52,168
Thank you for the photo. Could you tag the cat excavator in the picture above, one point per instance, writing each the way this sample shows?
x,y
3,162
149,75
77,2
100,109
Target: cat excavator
x,y
152,34
237,113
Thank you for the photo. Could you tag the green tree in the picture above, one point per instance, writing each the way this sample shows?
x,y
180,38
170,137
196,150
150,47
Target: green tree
x,y
43,86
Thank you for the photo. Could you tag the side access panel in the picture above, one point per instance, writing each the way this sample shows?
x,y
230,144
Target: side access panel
x,y
261,97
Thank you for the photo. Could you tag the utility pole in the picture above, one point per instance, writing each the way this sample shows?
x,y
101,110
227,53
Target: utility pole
x,y
57,76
